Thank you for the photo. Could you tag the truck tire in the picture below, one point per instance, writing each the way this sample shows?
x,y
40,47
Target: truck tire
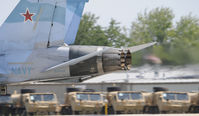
x,y
146,109
118,112
24,113
157,89
111,110
103,110
111,89
23,91
68,90
76,112
66,111
155,110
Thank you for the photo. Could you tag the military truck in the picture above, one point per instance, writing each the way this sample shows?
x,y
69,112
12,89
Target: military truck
x,y
6,107
171,102
30,103
83,102
194,105
126,102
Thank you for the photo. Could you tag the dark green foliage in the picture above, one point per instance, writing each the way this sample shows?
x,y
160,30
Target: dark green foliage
x,y
92,34
115,36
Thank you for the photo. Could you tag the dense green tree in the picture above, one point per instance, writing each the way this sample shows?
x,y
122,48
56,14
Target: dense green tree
x,y
90,33
152,26
115,35
185,44
187,31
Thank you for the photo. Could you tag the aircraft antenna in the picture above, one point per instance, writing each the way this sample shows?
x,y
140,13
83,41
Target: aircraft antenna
x,y
48,44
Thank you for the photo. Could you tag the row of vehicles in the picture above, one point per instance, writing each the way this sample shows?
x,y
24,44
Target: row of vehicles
x,y
114,101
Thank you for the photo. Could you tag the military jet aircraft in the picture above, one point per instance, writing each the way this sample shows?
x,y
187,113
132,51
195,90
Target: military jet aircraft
x,y
35,44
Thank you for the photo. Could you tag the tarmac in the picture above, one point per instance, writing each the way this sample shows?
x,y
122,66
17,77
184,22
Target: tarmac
x,y
142,115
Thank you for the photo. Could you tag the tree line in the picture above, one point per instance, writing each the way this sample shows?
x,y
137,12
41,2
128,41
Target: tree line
x,y
178,42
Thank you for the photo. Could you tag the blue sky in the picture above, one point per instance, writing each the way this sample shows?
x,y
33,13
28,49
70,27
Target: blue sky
x,y
124,11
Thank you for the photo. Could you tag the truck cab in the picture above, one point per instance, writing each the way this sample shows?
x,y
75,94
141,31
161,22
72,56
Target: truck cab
x,y
194,96
172,102
41,102
6,105
83,103
126,102
35,103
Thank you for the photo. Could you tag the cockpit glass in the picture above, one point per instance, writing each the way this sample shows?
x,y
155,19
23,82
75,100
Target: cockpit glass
x,y
95,97
123,96
136,96
48,97
182,96
35,97
81,96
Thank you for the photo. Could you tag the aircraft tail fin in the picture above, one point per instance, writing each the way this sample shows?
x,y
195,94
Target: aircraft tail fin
x,y
74,10
41,23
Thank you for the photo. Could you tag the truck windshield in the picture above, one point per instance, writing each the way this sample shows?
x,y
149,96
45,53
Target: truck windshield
x,y
42,97
5,99
95,97
182,96
175,96
136,96
48,97
81,96
123,96
35,97
129,96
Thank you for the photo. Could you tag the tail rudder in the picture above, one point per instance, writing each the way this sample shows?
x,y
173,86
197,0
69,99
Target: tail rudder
x,y
34,23
74,10
41,23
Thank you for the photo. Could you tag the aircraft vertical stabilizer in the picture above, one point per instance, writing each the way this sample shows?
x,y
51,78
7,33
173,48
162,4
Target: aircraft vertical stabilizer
x,y
41,24
74,10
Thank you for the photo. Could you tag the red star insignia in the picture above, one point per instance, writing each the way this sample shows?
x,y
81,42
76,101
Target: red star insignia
x,y
27,15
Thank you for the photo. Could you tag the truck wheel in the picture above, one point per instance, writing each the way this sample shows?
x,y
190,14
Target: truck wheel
x,y
66,111
69,111
111,110
191,109
63,111
195,109
118,112
76,112
145,110
163,112
103,110
24,113
155,110
110,89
